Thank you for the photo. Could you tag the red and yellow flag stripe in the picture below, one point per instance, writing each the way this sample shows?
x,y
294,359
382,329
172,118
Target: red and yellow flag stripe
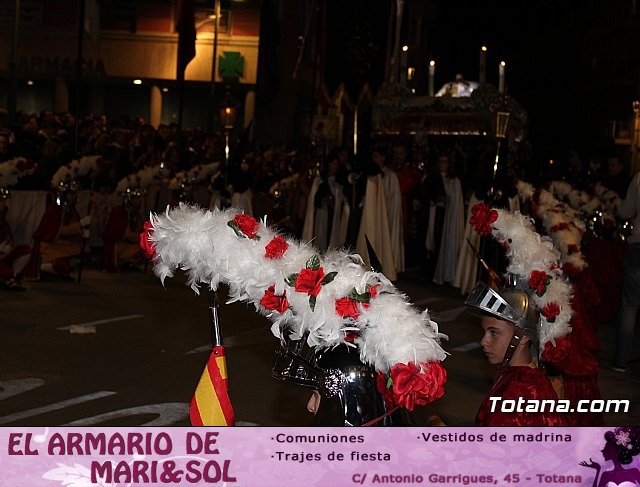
x,y
210,405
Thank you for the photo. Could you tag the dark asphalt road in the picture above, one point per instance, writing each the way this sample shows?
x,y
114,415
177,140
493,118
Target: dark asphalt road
x,y
141,365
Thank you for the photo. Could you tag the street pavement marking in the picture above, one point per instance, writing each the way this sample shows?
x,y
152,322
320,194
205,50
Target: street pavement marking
x,y
18,386
102,322
54,407
466,347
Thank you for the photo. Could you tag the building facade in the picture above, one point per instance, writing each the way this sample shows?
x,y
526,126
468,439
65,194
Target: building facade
x,y
126,42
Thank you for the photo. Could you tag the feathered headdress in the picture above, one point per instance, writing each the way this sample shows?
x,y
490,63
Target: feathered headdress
x,y
331,299
566,229
195,175
140,179
76,168
535,262
14,169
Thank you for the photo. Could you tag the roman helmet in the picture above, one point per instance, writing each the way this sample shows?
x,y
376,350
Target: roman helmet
x,y
512,304
347,386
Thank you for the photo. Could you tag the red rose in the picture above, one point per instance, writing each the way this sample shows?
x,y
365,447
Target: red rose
x,y
420,385
276,248
271,301
538,281
573,249
347,308
482,216
246,224
550,311
309,281
373,291
145,243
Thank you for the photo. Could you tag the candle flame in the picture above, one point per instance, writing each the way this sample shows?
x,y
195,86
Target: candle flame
x,y
432,63
503,64
483,48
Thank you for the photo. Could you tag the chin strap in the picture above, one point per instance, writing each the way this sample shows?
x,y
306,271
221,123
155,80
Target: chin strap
x,y
518,333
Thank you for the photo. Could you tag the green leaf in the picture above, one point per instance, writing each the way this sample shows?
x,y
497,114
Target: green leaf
x,y
389,383
291,280
313,263
312,303
364,298
329,277
236,229
353,294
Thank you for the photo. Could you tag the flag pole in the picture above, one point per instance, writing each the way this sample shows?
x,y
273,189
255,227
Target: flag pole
x,y
211,405
214,318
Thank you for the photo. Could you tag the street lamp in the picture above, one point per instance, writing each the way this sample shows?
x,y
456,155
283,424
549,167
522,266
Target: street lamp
x,y
502,121
228,115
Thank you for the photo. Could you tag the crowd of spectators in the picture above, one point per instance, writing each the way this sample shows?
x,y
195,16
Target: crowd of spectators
x,y
328,198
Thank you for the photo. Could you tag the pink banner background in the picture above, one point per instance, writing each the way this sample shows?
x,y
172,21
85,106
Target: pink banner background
x,y
256,456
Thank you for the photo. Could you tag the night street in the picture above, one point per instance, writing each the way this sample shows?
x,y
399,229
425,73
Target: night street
x,y
141,365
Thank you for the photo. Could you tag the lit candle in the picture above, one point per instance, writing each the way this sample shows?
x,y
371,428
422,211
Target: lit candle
x,y
501,76
483,65
404,63
432,76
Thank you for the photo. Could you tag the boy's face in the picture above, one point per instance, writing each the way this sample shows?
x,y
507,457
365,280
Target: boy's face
x,y
314,402
495,339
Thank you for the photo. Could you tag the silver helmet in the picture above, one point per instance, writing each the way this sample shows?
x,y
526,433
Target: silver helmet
x,y
512,304
347,387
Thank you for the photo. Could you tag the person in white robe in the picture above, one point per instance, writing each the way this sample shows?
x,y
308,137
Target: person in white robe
x,y
452,227
382,219
327,216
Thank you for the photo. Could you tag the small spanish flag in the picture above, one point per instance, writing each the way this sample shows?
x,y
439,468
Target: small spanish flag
x,y
211,405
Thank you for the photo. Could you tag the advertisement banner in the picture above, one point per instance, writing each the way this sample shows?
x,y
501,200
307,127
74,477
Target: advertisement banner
x,y
331,457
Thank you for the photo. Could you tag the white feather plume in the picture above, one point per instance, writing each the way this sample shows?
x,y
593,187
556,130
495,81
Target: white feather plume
x,y
389,331
140,179
76,168
14,169
527,251
565,226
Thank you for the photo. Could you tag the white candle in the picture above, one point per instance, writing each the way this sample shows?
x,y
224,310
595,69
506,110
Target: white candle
x,y
483,65
432,76
501,67
404,63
